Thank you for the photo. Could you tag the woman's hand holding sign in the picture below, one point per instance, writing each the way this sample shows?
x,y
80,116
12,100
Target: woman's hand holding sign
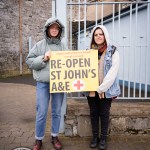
x,y
47,56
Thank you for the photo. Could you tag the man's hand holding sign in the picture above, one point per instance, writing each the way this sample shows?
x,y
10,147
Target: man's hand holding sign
x,y
73,71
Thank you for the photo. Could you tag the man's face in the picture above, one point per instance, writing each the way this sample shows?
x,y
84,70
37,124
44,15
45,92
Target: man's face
x,y
54,30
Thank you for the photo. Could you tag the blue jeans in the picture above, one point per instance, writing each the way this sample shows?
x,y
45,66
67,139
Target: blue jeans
x,y
42,103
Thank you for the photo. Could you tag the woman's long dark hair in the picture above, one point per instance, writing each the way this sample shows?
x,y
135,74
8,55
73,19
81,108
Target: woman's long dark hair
x,y
93,44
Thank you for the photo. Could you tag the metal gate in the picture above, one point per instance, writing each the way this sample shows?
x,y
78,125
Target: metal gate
x,y
129,26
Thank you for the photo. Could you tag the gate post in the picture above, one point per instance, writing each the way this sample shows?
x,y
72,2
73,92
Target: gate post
x,y
61,8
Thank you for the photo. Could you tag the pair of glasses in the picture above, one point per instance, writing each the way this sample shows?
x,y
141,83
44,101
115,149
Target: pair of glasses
x,y
99,34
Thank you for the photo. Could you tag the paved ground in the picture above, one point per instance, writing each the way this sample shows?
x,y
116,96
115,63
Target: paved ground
x,y
17,117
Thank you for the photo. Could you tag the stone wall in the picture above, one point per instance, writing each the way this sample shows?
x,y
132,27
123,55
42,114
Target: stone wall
x,y
34,13
126,118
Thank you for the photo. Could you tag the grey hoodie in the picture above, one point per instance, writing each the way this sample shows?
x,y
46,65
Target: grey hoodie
x,y
35,57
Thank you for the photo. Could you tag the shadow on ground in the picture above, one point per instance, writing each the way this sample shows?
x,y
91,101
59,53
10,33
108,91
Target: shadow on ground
x,y
22,79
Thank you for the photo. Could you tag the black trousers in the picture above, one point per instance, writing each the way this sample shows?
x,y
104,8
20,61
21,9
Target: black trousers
x,y
99,113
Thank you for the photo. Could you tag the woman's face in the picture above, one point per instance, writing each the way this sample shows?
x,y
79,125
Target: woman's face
x,y
53,30
99,37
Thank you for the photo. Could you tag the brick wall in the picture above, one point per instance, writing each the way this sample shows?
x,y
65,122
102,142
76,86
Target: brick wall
x,y
34,13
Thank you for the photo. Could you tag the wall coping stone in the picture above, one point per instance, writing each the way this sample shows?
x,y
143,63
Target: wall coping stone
x,y
79,107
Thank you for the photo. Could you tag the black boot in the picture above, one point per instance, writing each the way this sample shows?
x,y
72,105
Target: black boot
x,y
103,142
94,143
94,116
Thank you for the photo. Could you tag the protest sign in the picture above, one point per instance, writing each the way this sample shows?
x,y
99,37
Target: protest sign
x,y
73,71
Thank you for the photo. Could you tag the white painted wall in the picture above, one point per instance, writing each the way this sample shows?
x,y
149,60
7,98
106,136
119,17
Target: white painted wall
x,y
61,9
62,16
134,57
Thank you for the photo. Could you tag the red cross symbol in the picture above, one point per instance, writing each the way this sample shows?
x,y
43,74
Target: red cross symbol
x,y
78,85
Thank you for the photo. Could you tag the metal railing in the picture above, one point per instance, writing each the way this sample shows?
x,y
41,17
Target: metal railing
x,y
128,24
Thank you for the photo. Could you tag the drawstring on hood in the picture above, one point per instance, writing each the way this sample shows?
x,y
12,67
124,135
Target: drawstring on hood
x,y
52,40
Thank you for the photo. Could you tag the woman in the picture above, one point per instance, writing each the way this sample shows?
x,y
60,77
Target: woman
x,y
38,60
100,100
